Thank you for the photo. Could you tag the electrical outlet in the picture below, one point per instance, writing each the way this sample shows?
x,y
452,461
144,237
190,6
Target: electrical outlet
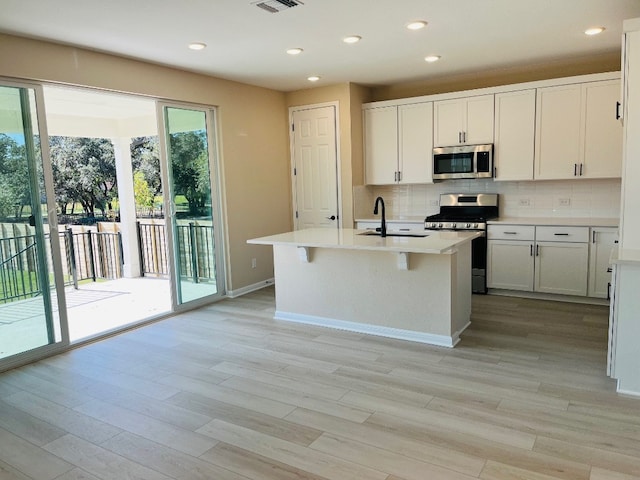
x,y
434,203
254,263
564,202
524,202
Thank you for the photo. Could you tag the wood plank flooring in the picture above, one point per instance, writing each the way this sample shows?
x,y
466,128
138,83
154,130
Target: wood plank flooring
x,y
226,392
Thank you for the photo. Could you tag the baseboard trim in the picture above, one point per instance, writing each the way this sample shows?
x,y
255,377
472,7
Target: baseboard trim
x,y
389,332
554,297
250,288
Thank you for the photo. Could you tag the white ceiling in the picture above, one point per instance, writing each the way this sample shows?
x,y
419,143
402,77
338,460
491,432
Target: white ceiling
x,y
247,44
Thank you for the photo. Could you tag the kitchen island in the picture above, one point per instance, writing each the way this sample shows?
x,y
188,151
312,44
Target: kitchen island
x,y
406,287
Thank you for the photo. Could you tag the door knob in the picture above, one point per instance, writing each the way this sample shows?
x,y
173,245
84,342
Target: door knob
x,y
332,217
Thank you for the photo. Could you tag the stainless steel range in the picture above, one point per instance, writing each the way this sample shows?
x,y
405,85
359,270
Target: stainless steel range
x,y
464,211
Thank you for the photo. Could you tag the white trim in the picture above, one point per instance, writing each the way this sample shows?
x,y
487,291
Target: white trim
x,y
250,288
336,124
627,392
389,332
555,297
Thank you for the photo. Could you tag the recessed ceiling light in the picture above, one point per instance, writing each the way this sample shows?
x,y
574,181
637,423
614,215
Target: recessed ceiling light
x,y
294,51
594,30
313,78
417,25
432,58
197,46
352,39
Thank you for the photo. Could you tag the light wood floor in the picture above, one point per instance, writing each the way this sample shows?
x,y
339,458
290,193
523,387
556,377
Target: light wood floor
x,y
226,392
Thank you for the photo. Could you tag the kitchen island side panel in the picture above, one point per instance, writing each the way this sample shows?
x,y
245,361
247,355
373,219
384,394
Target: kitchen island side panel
x,y
368,287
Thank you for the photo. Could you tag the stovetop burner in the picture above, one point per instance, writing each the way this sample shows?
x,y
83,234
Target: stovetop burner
x,y
441,217
464,212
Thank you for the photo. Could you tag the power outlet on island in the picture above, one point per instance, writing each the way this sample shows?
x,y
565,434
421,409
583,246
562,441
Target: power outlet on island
x,y
254,263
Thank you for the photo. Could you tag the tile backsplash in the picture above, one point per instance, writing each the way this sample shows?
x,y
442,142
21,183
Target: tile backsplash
x,y
557,198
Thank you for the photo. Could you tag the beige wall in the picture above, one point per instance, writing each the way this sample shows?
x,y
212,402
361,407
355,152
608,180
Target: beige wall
x,y
350,98
252,134
608,62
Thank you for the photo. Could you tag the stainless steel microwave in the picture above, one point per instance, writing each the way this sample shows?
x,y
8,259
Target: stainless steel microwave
x,y
464,161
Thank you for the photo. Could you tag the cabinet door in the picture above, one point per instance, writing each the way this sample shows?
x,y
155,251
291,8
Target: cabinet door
x,y
558,132
515,135
603,133
561,268
415,133
478,128
381,145
448,117
602,243
510,265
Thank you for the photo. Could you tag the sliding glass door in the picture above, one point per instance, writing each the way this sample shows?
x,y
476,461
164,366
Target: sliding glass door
x,y
190,177
29,243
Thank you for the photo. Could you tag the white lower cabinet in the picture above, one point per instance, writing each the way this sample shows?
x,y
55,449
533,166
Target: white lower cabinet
x,y
561,267
538,259
603,240
510,265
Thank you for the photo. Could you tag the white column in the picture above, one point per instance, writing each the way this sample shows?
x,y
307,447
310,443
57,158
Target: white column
x,y
124,176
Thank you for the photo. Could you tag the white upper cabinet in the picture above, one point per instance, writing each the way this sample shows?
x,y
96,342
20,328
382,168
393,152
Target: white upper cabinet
x,y
381,145
603,132
513,154
463,121
577,134
415,136
559,132
398,144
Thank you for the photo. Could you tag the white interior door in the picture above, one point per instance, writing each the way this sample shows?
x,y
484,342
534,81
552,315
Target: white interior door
x,y
315,170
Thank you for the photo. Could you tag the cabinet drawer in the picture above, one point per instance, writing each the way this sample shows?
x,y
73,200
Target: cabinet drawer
x,y
511,232
562,234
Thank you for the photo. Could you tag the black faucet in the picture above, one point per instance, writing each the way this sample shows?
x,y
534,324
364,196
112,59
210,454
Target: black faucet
x,y
383,223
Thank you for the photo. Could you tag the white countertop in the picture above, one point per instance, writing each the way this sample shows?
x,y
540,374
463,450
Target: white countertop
x,y
553,221
625,256
347,238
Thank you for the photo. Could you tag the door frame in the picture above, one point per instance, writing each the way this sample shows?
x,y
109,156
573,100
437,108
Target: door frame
x,y
215,183
54,239
292,159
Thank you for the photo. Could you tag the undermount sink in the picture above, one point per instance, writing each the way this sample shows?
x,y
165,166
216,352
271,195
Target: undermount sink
x,y
396,234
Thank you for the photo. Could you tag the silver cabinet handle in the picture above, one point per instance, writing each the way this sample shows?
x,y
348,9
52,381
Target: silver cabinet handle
x,y
561,234
531,250
581,165
593,237
459,137
399,176
575,169
510,233
537,250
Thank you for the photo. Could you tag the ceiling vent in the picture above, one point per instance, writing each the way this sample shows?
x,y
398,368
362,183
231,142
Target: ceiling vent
x,y
275,6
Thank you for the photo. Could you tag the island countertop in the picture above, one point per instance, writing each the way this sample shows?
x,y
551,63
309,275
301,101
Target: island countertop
x,y
436,242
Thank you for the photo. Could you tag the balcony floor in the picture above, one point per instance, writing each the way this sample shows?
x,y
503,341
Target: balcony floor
x,y
93,309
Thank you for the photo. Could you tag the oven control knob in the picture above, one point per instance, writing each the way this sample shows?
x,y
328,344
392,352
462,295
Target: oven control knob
x,y
468,225
475,225
440,225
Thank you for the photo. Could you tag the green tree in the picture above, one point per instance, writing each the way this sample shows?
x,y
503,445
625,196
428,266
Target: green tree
x,y
146,159
84,171
190,168
15,191
142,192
